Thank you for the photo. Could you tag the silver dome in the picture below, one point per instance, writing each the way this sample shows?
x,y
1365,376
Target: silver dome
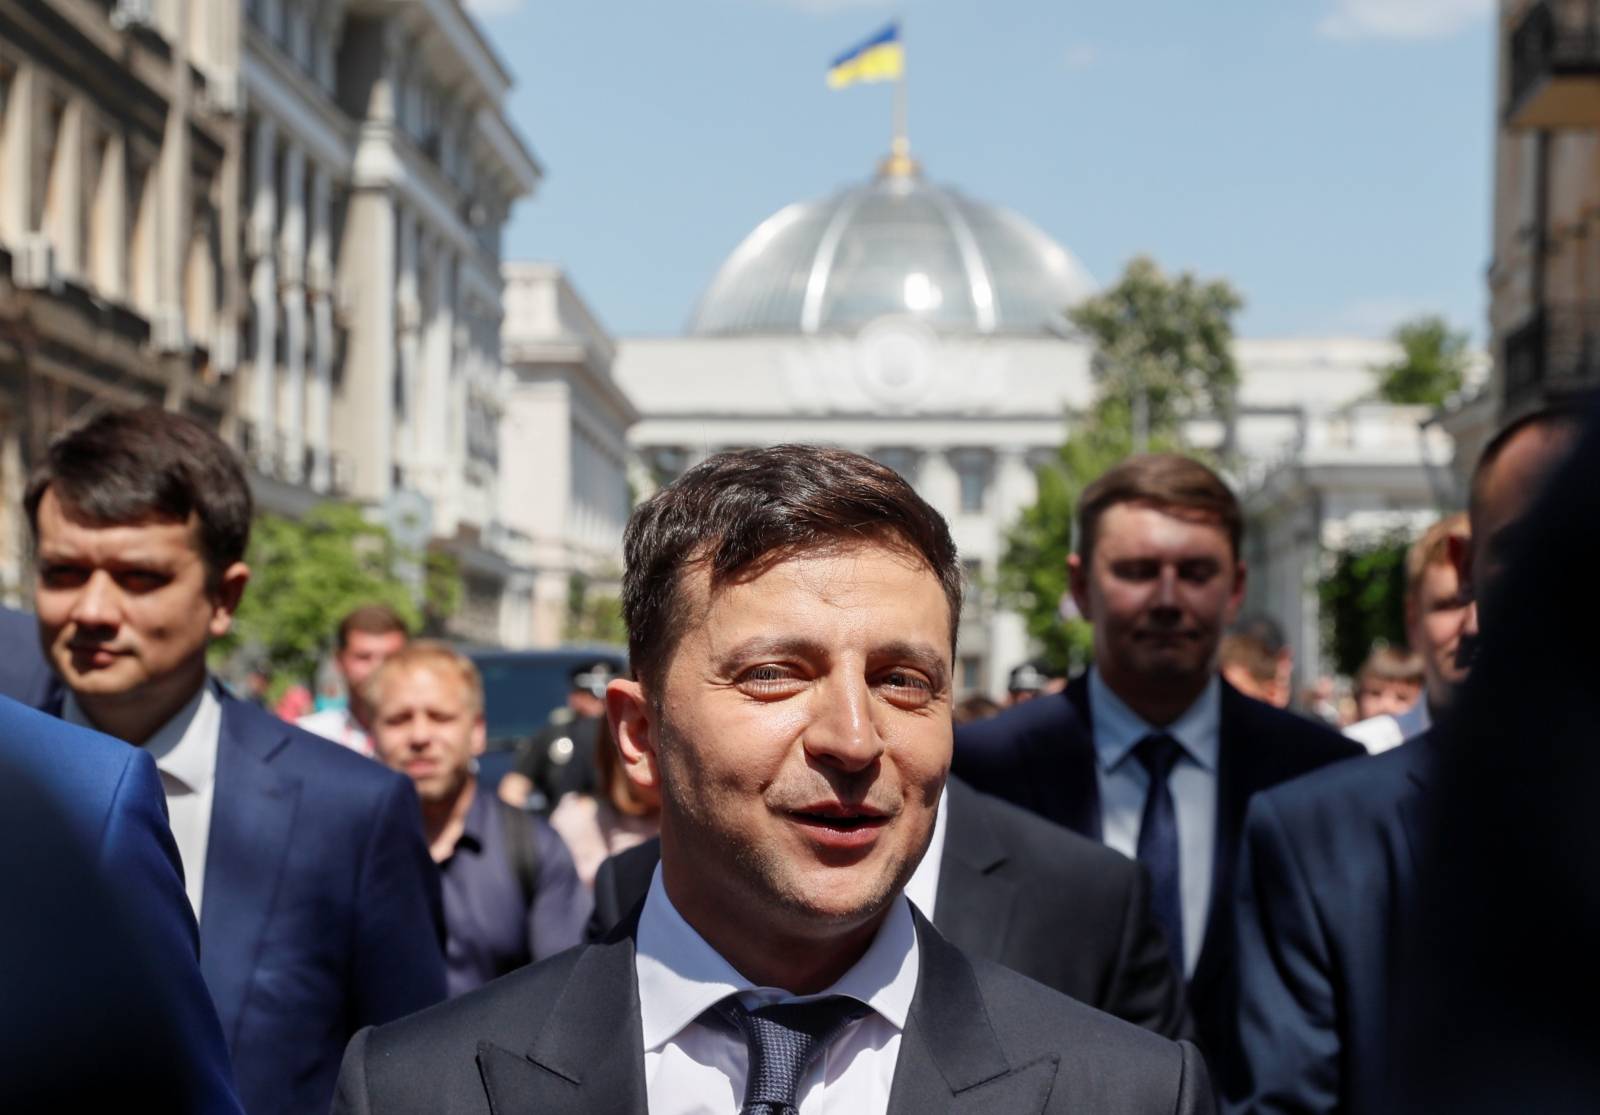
x,y
894,246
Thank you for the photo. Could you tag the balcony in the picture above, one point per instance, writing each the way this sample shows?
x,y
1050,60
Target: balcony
x,y
1555,66
1554,355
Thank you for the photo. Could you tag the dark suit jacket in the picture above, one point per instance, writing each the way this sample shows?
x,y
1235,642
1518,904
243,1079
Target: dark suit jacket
x,y
321,911
1021,892
104,1005
564,1036
1325,887
25,675
1040,754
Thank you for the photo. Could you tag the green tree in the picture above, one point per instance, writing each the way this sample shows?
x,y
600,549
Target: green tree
x,y
1432,364
1163,346
305,575
1363,600
593,617
1163,353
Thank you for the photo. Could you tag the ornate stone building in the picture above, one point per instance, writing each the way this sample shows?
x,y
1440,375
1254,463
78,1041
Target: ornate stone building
x,y
119,221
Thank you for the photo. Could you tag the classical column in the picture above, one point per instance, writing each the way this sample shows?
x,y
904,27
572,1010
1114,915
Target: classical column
x,y
67,179
264,285
440,359
292,292
408,315
319,275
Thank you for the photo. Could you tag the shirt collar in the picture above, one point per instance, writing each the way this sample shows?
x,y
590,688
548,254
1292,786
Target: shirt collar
x,y
923,886
1117,728
681,976
185,747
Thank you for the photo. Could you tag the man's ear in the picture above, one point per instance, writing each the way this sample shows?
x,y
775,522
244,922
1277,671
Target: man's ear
x,y
1460,550
225,601
1236,598
1078,583
480,735
633,726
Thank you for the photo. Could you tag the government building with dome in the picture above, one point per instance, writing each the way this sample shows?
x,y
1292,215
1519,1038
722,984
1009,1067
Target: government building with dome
x,y
904,319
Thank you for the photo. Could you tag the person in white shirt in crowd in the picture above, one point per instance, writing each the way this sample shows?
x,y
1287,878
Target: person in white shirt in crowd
x,y
1436,615
367,636
792,615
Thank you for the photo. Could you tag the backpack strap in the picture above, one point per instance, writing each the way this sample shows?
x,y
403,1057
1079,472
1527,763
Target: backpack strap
x,y
522,848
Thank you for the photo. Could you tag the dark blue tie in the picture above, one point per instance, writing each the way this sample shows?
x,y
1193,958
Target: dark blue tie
x,y
1158,839
784,1040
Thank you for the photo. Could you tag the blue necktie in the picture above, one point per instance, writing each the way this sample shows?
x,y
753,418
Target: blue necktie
x,y
784,1040
1158,840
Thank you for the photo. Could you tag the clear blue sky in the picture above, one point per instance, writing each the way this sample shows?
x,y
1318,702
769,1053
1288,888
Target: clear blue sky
x,y
1332,158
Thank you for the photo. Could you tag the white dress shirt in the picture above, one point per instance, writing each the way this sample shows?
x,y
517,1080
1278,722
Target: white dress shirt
x,y
338,725
923,886
1380,733
696,1069
1124,786
185,751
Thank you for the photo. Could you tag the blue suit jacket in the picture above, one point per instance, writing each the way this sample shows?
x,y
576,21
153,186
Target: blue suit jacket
x,y
1040,755
25,675
321,912
1325,887
103,1002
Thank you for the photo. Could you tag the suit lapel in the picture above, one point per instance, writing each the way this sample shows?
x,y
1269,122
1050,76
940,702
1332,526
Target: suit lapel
x,y
973,902
588,1056
950,1059
252,821
1422,751
1237,768
1078,778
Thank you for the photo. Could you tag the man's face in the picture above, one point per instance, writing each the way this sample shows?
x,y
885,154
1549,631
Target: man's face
x,y
1436,615
1380,696
801,737
1159,588
124,611
426,725
364,652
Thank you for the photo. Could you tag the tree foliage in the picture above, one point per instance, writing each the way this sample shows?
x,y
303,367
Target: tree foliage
x,y
1170,339
593,617
1167,342
1363,600
1432,364
306,575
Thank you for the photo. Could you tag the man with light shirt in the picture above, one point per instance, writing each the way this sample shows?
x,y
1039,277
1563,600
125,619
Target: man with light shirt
x,y
317,902
1436,615
791,615
366,637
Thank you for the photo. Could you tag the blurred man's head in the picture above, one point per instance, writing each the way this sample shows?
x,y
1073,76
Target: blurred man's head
x,y
140,521
1027,681
587,695
427,704
1267,634
1436,608
366,637
1250,666
1388,683
791,620
1159,576
1507,479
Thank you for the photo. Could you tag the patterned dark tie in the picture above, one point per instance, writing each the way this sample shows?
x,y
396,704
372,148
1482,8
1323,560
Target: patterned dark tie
x,y
1158,839
784,1040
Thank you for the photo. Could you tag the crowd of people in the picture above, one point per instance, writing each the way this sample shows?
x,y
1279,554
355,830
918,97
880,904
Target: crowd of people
x,y
776,866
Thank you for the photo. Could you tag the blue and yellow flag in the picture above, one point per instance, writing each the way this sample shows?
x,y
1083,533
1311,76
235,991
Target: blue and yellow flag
x,y
880,58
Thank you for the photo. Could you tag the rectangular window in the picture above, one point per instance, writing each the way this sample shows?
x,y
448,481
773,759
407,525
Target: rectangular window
x,y
971,673
972,470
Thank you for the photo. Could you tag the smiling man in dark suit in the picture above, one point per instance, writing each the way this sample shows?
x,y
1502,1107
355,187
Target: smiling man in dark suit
x,y
317,902
791,616
1151,751
1005,885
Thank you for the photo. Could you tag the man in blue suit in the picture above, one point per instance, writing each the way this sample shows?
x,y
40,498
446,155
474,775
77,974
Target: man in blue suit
x,y
1327,879
1151,751
317,901
24,674
115,943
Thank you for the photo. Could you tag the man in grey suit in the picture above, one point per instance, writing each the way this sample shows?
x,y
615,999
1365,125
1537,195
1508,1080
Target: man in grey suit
x,y
792,617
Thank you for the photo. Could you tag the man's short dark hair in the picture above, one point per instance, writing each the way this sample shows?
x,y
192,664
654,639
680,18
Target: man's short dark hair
x,y
132,466
1563,416
371,619
1168,482
739,510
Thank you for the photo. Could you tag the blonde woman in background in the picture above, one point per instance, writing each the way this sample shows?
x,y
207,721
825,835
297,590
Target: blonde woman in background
x,y
617,816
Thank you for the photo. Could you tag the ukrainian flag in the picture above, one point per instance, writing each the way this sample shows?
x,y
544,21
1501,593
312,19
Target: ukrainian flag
x,y
880,58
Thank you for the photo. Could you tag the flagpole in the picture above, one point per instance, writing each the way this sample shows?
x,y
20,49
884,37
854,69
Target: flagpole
x,y
900,147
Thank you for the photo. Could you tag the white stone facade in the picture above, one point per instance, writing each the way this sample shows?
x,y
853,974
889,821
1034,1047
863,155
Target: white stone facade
x,y
380,173
563,443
